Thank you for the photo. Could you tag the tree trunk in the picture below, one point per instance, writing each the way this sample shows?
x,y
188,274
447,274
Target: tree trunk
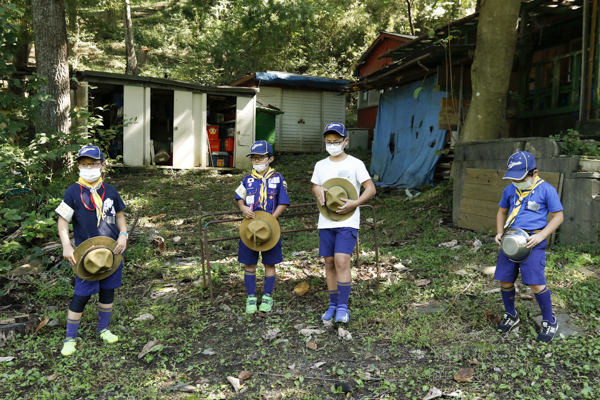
x,y
492,65
131,67
50,32
410,22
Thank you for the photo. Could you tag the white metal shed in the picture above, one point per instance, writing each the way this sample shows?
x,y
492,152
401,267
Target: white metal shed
x,y
173,115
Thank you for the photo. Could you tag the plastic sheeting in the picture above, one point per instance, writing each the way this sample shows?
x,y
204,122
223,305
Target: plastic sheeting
x,y
407,136
284,78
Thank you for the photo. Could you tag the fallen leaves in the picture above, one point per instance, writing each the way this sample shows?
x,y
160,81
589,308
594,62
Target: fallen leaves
x,y
310,331
311,345
491,317
422,282
464,375
301,288
271,334
144,317
209,352
451,243
6,359
243,375
344,334
434,393
152,345
42,324
235,382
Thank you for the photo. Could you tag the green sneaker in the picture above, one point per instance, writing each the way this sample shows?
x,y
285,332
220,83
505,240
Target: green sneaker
x,y
68,347
251,305
266,304
108,337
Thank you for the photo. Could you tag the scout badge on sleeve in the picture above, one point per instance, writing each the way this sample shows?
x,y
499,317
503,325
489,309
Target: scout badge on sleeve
x,y
337,189
514,245
95,258
260,233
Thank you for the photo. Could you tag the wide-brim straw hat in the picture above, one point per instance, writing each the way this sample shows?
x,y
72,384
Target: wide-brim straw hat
x,y
96,259
337,189
260,233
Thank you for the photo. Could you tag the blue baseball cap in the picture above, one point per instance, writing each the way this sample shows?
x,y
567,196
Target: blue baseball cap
x,y
336,127
261,147
91,152
518,165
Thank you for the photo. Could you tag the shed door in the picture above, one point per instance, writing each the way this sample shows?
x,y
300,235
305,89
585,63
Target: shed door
x,y
334,109
244,130
183,130
301,125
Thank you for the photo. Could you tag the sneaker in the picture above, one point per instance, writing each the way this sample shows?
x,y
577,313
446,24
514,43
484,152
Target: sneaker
x,y
342,315
266,304
548,331
108,337
251,305
330,312
68,347
507,323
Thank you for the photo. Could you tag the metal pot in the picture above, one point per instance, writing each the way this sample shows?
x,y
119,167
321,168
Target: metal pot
x,y
514,245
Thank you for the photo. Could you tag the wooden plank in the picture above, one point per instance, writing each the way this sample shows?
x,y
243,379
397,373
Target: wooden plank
x,y
483,192
477,222
484,208
575,80
491,177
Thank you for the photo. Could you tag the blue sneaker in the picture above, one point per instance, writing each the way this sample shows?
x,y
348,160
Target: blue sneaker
x,y
548,331
330,311
342,314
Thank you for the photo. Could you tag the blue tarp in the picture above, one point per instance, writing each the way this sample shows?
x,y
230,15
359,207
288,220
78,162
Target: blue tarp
x,y
407,136
284,78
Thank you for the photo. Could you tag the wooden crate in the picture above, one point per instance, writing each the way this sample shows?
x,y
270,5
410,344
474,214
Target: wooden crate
x,y
482,192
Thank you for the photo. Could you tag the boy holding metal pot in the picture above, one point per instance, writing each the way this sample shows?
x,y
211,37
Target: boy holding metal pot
x,y
522,226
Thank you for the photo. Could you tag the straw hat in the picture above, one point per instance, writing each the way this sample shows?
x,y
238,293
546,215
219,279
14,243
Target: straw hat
x,y
337,189
260,233
95,258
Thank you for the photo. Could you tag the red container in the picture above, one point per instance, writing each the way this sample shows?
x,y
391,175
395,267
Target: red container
x,y
213,131
215,145
228,144
230,161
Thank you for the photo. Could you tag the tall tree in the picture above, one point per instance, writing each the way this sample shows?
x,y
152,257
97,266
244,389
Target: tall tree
x,y
492,65
131,67
50,33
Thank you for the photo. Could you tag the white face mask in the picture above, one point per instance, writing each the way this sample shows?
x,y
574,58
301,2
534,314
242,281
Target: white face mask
x,y
334,149
260,167
523,185
90,175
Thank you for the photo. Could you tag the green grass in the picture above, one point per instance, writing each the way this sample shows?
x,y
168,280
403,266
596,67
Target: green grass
x,y
397,352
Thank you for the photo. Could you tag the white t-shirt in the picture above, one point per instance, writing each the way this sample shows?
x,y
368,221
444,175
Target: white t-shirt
x,y
350,168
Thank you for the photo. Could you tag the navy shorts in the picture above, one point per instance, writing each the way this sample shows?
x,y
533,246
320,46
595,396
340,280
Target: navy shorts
x,y
532,270
337,240
250,257
88,288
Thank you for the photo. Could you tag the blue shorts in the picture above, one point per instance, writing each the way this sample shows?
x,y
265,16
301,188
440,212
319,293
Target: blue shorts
x,y
88,288
532,270
337,240
250,257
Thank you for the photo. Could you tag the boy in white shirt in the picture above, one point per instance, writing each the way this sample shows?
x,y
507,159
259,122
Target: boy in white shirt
x,y
337,236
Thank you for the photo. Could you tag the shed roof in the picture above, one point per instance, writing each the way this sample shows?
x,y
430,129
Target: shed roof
x,y
288,79
161,83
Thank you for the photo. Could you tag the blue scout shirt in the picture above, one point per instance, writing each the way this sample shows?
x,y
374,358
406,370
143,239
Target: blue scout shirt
x,y
84,221
534,211
276,192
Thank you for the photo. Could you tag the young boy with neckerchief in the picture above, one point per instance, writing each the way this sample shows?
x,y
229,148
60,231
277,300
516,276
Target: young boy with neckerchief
x,y
525,204
261,190
95,209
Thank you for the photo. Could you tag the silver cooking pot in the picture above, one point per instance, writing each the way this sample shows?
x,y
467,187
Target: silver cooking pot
x,y
514,245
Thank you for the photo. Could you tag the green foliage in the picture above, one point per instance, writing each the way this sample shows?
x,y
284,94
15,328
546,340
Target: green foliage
x,y
571,144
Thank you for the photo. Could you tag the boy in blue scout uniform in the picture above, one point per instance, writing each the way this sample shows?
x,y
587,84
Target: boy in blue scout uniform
x,y
95,209
261,190
337,239
525,204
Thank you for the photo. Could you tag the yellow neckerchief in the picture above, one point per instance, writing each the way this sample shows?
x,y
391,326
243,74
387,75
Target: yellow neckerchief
x,y
262,198
95,196
522,195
